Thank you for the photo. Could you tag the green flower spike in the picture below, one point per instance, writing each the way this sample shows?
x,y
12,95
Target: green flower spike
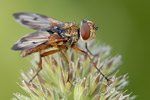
x,y
86,83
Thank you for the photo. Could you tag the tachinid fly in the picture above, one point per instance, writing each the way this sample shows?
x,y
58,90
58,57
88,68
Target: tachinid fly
x,y
53,33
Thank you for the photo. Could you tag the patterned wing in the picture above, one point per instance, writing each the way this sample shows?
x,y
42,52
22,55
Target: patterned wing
x,y
36,39
36,21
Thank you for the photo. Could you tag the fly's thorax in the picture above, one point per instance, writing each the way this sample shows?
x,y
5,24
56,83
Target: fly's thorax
x,y
71,31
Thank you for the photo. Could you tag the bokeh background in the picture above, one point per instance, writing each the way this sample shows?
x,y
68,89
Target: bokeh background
x,y
123,24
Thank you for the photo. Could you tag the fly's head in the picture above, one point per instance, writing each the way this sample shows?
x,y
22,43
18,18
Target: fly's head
x,y
87,30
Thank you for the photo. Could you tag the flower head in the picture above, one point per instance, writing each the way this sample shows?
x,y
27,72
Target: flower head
x,y
86,83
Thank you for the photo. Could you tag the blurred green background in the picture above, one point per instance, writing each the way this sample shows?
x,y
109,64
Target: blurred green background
x,y
123,24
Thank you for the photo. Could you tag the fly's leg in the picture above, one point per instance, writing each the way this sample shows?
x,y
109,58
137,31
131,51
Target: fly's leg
x,y
60,48
63,55
86,46
40,61
85,53
68,79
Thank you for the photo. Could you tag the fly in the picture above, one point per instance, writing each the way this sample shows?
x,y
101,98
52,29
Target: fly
x,y
53,33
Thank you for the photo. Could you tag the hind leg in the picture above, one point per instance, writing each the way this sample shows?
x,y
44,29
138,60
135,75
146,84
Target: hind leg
x,y
40,61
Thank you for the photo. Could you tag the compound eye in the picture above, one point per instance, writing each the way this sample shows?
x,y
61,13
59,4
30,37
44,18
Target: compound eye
x,y
85,31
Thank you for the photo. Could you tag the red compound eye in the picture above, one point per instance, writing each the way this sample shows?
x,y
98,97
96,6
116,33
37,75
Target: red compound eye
x,y
85,31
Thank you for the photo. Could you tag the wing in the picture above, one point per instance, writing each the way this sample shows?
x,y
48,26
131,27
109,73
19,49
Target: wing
x,y
36,21
36,39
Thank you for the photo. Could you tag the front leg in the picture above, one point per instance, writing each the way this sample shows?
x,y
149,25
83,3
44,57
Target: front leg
x,y
85,53
86,47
